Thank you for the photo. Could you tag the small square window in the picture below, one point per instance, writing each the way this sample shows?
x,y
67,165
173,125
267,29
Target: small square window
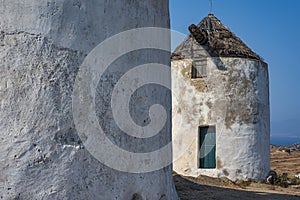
x,y
199,68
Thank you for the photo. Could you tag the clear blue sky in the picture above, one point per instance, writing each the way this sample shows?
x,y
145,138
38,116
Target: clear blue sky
x,y
271,28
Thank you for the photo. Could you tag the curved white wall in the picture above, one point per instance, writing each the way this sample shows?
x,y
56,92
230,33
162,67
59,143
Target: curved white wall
x,y
235,98
42,45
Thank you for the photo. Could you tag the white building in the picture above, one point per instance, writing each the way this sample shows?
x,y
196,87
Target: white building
x,y
43,152
221,117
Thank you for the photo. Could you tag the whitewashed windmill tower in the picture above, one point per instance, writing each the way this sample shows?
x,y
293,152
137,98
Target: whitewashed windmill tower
x,y
221,117
42,46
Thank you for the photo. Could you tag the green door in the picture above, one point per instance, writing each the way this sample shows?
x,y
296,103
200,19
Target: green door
x,y
207,147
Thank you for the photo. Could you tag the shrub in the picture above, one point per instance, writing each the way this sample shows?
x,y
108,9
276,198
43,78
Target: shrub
x,y
295,181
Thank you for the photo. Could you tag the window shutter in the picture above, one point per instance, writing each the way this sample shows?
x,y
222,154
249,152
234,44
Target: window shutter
x,y
199,68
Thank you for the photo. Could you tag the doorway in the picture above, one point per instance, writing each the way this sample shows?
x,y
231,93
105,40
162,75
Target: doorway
x,y
207,147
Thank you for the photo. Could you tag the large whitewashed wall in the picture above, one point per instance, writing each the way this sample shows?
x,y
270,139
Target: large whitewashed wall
x,y
42,45
235,98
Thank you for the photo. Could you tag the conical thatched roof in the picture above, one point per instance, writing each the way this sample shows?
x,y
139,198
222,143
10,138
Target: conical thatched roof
x,y
211,38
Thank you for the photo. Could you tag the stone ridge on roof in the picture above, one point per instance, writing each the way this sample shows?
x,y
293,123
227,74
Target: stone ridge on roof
x,y
216,39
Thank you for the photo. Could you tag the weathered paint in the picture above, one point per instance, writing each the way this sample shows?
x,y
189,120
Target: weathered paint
x,y
42,45
235,98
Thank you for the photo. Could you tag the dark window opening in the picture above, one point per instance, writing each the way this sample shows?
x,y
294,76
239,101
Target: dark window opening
x,y
207,147
199,68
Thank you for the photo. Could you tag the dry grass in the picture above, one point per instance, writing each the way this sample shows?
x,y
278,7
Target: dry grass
x,y
283,162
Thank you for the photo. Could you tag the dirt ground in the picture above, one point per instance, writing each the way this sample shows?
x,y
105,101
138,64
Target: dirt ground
x,y
283,162
203,187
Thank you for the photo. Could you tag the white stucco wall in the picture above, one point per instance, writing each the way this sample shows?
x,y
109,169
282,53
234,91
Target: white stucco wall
x,y
42,45
235,98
